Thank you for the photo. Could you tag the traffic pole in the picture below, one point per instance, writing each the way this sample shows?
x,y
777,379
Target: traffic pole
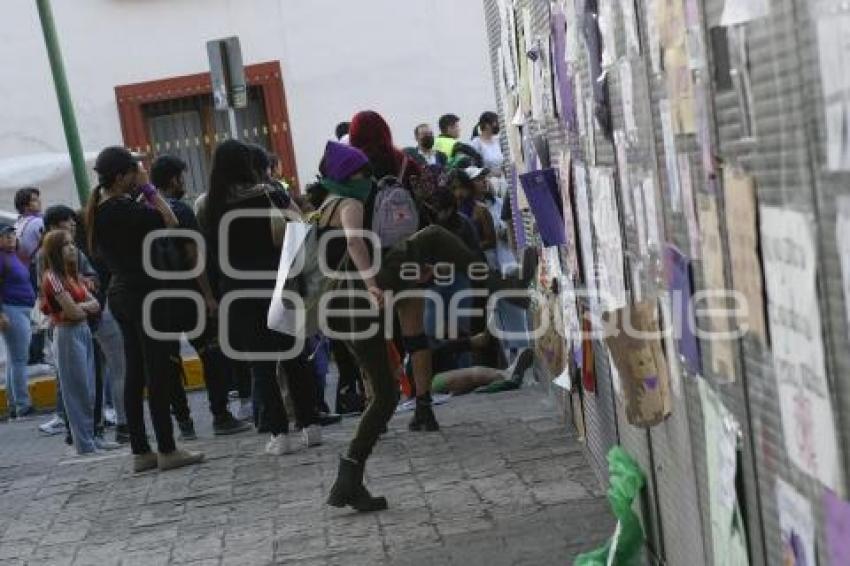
x,y
66,107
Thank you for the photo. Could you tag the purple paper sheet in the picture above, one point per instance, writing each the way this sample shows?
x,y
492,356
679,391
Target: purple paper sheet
x,y
679,282
837,523
541,188
563,76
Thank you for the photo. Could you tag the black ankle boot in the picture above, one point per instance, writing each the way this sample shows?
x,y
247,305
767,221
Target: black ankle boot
x,y
423,415
348,489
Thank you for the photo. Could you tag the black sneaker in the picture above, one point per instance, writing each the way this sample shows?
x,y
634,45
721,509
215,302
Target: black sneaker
x,y
27,413
229,425
13,414
187,429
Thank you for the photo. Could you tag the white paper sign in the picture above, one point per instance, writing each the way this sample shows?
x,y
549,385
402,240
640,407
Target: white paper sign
x,y
842,242
607,29
584,222
653,35
640,219
798,354
670,155
609,241
742,11
281,319
649,202
630,25
689,204
627,94
796,525
621,146
834,56
721,460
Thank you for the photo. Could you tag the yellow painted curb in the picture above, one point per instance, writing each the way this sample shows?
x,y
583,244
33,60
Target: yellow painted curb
x,y
43,389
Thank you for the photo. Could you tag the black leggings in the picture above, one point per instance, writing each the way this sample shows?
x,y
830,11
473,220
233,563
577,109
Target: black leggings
x,y
149,363
248,332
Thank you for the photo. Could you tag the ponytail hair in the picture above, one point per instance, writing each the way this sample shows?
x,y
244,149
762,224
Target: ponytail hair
x,y
88,220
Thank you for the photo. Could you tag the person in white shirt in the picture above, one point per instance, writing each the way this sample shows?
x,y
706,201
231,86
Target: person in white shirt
x,y
486,142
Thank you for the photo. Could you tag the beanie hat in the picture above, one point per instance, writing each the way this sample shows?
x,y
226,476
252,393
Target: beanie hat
x,y
341,161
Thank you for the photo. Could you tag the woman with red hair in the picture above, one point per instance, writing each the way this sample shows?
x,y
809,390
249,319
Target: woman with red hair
x,y
371,134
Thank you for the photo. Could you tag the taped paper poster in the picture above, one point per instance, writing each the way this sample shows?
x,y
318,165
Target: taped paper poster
x,y
796,525
842,241
722,354
631,27
689,205
609,243
742,11
834,56
805,401
741,226
628,96
670,160
640,220
584,222
652,221
621,146
721,459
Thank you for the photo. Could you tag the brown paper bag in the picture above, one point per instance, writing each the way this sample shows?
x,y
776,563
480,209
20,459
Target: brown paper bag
x,y
641,363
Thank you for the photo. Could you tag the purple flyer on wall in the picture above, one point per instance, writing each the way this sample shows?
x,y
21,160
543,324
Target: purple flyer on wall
x,y
543,194
679,282
519,227
837,525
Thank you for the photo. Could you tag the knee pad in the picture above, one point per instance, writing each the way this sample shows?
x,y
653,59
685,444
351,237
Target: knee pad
x,y
413,344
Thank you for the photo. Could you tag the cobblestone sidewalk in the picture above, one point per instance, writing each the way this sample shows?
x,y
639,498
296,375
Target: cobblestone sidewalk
x,y
502,483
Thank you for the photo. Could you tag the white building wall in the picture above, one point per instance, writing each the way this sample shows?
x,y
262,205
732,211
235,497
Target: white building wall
x,y
411,60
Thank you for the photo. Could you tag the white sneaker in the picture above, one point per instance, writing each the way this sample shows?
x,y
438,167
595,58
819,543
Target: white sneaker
x,y
109,417
278,445
103,444
53,427
312,435
245,411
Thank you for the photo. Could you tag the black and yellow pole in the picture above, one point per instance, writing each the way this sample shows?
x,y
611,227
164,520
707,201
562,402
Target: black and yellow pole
x,y
66,108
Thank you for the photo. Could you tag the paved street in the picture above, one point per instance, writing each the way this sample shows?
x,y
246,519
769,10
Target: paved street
x,y
502,483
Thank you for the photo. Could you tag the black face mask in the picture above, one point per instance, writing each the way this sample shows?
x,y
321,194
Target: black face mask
x,y
427,142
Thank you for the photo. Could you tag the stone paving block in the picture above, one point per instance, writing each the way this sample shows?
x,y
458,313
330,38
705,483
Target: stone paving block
x,y
16,549
189,549
159,557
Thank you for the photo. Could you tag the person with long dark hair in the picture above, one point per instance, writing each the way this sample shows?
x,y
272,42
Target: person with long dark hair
x,y
253,244
70,304
117,225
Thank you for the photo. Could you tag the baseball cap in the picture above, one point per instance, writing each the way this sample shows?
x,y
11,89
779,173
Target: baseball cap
x,y
5,228
115,160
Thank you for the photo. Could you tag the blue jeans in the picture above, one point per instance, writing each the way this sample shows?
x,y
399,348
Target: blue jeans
x,y
75,361
17,338
111,341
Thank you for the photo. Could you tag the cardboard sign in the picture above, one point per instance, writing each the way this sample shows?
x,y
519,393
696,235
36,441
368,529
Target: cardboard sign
x,y
636,350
